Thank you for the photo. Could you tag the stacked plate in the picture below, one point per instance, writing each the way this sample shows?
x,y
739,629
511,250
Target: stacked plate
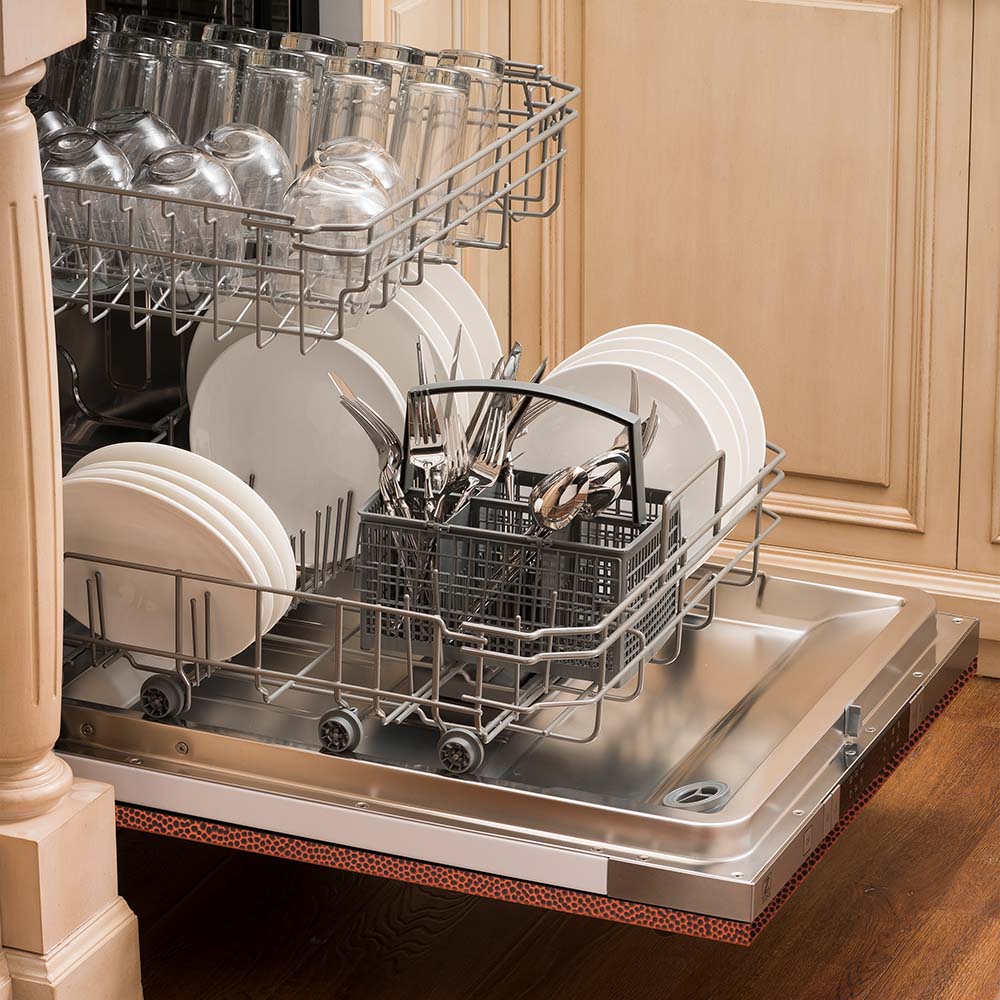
x,y
162,506
705,402
273,414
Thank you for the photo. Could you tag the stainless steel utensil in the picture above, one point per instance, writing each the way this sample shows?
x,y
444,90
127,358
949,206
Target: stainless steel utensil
x,y
560,497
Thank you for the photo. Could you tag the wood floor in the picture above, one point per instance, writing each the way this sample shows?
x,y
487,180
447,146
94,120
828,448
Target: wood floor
x,y
906,906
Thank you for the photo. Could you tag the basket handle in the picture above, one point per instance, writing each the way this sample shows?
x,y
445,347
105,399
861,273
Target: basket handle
x,y
632,422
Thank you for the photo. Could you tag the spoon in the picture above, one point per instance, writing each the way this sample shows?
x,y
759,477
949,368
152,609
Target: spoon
x,y
559,498
607,476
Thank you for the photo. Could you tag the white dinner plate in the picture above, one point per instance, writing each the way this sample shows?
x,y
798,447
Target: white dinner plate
x,y
389,335
215,518
734,376
211,474
448,319
126,521
274,414
566,435
476,321
224,508
694,376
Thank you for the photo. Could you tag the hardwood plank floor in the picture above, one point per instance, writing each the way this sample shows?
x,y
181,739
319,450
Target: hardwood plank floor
x,y
906,906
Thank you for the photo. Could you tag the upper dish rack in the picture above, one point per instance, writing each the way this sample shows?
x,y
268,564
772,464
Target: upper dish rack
x,y
519,176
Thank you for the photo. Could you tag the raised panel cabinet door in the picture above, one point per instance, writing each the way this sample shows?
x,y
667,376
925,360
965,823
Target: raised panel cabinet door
x,y
483,25
788,178
979,525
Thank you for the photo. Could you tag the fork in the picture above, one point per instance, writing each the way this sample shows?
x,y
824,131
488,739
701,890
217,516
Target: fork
x,y
487,455
428,450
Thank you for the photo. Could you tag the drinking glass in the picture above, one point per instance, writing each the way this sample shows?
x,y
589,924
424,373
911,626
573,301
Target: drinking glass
x,y
128,72
317,49
324,195
166,225
49,117
245,56
135,131
485,92
427,133
199,90
69,73
397,58
162,27
255,37
82,156
256,161
368,154
277,97
353,100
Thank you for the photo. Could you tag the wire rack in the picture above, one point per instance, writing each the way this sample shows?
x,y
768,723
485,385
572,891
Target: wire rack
x,y
99,265
469,682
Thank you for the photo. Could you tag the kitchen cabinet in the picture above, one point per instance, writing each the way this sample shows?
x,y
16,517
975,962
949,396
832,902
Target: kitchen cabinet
x,y
791,178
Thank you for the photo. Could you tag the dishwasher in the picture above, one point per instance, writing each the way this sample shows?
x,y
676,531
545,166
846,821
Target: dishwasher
x,y
680,762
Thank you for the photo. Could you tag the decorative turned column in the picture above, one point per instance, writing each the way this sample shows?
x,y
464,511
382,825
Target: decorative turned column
x,y
65,932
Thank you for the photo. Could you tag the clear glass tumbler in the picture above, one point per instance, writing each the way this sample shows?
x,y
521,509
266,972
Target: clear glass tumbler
x,y
255,37
397,58
135,131
163,27
335,194
353,100
49,117
82,156
199,91
485,93
427,136
317,49
69,73
258,164
128,72
371,156
245,56
277,97
168,226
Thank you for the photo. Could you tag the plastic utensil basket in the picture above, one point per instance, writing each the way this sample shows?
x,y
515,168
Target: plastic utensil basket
x,y
480,568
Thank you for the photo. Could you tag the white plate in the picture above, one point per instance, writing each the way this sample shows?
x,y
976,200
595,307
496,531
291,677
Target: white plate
x,y
274,413
119,520
693,375
565,435
212,474
475,319
223,508
448,319
728,369
389,335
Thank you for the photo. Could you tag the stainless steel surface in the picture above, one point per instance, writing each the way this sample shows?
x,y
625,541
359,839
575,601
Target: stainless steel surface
x,y
755,703
516,177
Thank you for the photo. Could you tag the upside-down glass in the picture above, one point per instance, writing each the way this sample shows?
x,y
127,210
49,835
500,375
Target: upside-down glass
x,y
163,27
135,131
69,74
371,156
277,97
353,100
397,58
255,37
245,55
49,117
485,92
325,195
164,224
317,49
82,156
128,72
427,135
199,91
256,161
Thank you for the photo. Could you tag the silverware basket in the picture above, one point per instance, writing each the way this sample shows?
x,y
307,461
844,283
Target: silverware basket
x,y
485,567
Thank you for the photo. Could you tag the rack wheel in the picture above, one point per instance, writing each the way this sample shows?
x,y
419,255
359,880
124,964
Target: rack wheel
x,y
340,730
460,751
161,696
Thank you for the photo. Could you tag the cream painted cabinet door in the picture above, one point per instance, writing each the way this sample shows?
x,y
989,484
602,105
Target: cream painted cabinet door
x,y
788,178
483,25
979,527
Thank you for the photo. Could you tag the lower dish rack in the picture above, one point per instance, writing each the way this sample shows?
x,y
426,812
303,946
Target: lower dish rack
x,y
467,678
